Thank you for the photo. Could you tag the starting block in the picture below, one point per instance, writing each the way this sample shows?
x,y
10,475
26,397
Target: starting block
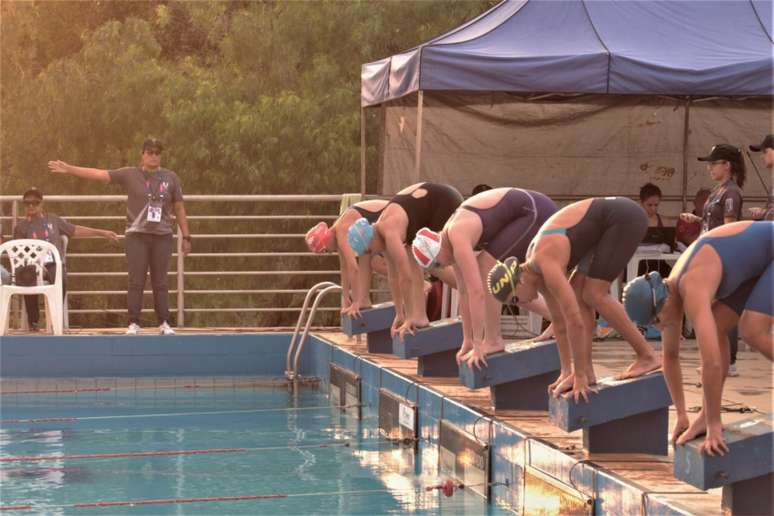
x,y
375,322
518,378
435,346
745,472
625,416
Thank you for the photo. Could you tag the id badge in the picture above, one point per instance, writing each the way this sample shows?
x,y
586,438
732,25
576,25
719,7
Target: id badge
x,y
154,212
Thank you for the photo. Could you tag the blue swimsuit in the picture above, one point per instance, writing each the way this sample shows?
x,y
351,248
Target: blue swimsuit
x,y
747,280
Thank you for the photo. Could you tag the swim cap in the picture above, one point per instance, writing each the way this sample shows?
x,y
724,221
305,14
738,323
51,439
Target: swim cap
x,y
425,248
317,238
503,278
644,297
359,235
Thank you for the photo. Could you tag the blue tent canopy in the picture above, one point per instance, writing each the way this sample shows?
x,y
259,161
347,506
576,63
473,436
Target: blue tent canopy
x,y
651,47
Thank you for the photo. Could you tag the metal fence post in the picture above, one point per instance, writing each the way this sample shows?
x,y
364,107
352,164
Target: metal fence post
x,y
180,279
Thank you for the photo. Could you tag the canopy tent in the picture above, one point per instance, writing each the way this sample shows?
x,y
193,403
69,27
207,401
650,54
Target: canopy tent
x,y
462,107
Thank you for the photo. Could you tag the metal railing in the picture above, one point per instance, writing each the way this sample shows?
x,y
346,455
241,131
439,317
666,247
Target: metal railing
x,y
71,207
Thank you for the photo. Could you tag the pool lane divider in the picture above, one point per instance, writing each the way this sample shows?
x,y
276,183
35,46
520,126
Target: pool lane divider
x,y
168,453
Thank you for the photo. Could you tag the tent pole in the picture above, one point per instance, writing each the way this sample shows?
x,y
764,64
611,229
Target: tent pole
x,y
418,146
362,151
685,152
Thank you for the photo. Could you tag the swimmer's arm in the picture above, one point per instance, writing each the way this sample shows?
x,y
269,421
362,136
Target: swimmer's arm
x,y
699,310
670,345
467,327
393,274
350,280
561,294
560,332
466,266
345,283
396,255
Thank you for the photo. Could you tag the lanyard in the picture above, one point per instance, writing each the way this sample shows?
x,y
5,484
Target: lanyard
x,y
153,195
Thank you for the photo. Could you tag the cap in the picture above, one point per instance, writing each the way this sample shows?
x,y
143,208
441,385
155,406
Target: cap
x,y
317,238
425,248
724,152
152,143
767,143
359,235
503,278
644,297
33,192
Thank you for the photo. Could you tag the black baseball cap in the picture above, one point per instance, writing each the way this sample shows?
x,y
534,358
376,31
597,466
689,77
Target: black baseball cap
x,y
767,143
33,192
152,143
723,152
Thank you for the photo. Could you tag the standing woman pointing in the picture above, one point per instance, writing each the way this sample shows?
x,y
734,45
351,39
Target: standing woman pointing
x,y
153,193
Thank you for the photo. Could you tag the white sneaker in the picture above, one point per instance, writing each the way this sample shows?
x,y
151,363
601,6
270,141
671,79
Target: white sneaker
x,y
133,329
165,329
732,370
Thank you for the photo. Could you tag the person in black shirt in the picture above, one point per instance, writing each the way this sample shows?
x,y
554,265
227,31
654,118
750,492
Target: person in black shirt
x,y
42,225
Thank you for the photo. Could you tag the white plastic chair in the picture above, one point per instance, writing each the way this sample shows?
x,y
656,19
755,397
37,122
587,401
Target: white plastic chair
x,y
33,252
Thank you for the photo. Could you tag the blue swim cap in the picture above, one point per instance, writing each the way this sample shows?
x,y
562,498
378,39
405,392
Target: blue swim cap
x,y
644,297
359,235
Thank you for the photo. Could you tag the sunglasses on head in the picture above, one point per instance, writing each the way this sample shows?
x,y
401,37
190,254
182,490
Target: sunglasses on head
x,y
31,202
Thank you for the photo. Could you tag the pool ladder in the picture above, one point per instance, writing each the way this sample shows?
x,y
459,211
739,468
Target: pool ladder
x,y
294,351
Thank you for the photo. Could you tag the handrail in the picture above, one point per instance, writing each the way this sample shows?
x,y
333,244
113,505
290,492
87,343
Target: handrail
x,y
300,347
315,288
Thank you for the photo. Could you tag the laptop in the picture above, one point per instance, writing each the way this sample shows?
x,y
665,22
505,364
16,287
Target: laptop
x,y
661,235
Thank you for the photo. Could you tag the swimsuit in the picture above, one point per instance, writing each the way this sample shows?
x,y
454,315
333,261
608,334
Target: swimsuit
x,y
509,225
370,216
746,260
432,210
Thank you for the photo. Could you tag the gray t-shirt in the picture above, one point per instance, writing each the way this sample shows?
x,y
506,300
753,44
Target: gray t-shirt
x,y
49,227
725,200
150,198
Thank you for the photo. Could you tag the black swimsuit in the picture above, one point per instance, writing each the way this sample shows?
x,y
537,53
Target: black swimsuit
x,y
370,216
431,210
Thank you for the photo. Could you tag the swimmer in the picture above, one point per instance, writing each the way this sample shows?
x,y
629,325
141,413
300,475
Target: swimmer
x,y
355,271
487,227
599,236
717,287
419,205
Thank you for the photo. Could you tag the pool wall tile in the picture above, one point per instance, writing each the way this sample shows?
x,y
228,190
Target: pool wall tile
x,y
466,418
557,464
656,505
614,497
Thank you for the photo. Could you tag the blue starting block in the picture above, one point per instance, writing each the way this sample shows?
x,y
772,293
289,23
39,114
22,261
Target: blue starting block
x,y
518,378
625,416
375,322
435,346
745,473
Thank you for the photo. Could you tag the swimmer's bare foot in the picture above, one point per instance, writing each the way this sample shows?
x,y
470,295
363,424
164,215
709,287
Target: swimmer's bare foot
x,y
411,326
548,334
697,427
559,380
490,348
640,367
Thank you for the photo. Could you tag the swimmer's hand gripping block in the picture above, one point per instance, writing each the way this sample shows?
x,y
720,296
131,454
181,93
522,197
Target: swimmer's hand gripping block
x,y
435,346
375,322
745,473
624,416
518,378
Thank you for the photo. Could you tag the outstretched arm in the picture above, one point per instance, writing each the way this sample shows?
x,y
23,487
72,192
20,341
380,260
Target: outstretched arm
x,y
182,221
670,345
83,231
95,174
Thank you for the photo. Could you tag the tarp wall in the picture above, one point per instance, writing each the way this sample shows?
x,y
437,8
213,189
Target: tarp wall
x,y
583,146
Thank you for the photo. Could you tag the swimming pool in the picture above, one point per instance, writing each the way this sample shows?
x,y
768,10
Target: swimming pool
x,y
209,446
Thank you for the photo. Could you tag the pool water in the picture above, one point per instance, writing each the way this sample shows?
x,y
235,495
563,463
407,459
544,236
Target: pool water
x,y
208,450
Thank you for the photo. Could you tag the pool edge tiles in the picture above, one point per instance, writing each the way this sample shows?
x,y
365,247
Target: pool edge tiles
x,y
257,354
510,454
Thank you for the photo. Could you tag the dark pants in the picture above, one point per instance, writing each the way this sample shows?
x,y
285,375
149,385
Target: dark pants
x,y
143,251
31,302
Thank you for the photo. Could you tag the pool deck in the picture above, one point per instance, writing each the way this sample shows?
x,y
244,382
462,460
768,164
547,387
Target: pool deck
x,y
652,474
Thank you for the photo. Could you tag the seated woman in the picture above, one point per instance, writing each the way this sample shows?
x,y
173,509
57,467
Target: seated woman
x,y
714,284
599,236
414,207
488,227
355,271
650,199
